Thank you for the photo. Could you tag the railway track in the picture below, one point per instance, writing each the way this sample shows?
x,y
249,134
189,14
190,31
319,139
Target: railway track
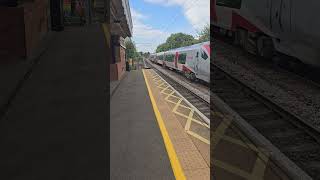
x,y
202,105
294,137
299,70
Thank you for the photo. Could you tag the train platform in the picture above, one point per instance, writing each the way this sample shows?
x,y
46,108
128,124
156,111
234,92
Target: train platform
x,y
159,136
53,124
239,152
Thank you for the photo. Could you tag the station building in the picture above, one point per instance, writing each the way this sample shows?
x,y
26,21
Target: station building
x,y
121,27
23,25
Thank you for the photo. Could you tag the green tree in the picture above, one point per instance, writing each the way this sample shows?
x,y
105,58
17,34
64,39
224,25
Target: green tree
x,y
204,34
175,41
162,47
131,50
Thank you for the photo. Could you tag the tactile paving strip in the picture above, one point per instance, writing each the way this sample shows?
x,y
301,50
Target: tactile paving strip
x,y
179,103
234,156
189,134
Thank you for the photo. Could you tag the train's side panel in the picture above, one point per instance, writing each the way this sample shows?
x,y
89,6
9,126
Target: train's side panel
x,y
256,15
293,24
179,66
224,18
169,63
306,30
158,59
204,63
190,61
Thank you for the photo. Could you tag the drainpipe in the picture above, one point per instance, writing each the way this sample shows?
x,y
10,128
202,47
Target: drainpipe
x,y
88,6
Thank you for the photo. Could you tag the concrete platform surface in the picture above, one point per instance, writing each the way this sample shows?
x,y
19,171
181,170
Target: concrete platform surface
x,y
137,150
55,127
234,155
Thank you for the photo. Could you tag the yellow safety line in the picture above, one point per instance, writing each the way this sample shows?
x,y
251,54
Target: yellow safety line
x,y
175,164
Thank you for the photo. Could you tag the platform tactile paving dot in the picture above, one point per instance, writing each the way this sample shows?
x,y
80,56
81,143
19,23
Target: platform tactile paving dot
x,y
183,145
198,174
191,160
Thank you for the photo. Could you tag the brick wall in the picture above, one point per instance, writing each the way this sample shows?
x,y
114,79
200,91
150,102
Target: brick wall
x,y
22,28
36,23
118,68
12,33
122,68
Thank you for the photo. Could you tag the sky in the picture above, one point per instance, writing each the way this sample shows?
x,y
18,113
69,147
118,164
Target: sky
x,y
155,20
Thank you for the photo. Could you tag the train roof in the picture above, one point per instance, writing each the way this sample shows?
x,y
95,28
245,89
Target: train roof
x,y
195,46
159,53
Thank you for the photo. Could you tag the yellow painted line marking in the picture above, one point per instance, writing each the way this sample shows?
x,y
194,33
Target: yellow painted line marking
x,y
177,105
189,121
240,143
168,91
218,134
259,167
175,164
232,169
217,114
261,161
199,137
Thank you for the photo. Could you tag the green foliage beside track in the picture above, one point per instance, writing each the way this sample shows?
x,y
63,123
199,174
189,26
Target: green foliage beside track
x,y
131,50
181,40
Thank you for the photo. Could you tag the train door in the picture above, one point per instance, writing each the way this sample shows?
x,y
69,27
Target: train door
x,y
196,63
203,65
280,16
176,60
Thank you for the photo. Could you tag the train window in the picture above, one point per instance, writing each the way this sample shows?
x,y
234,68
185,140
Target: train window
x,y
169,58
204,55
182,58
236,4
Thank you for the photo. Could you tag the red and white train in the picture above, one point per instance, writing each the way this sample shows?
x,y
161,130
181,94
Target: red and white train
x,y
267,27
193,61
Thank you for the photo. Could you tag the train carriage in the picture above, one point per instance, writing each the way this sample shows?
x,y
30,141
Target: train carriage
x,y
271,27
169,59
197,63
159,58
193,61
153,57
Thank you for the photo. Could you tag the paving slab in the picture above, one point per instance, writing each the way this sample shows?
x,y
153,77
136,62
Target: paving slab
x,y
137,149
234,154
56,126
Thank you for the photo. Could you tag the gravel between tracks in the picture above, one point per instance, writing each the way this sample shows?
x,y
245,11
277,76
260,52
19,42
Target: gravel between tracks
x,y
296,95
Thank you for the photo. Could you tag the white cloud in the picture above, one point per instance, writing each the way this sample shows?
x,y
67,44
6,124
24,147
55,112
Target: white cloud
x,y
196,11
146,37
